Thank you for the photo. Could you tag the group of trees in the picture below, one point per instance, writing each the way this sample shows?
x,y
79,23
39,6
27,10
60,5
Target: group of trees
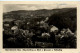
x,y
64,20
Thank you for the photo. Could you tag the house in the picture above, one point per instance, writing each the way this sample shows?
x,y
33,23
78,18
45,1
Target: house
x,y
8,23
14,29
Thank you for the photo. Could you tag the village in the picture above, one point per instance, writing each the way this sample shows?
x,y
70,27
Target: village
x,y
36,34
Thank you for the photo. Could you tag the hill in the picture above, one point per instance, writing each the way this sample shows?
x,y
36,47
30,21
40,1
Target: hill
x,y
66,19
21,14
62,18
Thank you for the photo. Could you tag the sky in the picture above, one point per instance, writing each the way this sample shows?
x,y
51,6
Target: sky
x,y
15,7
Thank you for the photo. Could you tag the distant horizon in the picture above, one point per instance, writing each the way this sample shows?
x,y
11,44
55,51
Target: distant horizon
x,y
35,10
32,7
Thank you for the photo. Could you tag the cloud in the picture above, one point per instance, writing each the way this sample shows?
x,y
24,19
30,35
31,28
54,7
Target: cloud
x,y
14,7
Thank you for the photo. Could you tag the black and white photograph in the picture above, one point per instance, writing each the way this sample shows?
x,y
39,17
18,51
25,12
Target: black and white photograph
x,y
39,26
